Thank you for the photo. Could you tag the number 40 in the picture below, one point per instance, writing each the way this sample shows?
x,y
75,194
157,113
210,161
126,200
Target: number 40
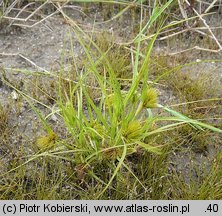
x,y
212,208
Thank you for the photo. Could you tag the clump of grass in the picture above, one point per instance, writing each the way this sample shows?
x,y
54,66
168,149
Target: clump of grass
x,y
196,92
4,114
190,89
118,57
6,129
43,179
43,89
206,184
121,123
196,95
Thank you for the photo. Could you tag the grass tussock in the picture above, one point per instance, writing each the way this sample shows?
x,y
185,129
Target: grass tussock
x,y
4,113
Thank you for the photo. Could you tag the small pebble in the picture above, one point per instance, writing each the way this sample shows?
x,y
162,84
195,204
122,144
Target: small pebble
x,y
14,95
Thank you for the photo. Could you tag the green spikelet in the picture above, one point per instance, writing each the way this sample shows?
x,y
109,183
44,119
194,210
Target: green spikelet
x,y
149,98
47,142
133,130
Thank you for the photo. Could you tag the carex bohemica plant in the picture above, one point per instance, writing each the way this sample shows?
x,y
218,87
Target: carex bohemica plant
x,y
112,127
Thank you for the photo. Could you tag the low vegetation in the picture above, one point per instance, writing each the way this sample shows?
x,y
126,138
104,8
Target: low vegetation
x,y
116,139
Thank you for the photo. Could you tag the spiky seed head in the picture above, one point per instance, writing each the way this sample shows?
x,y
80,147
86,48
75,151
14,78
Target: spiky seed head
x,y
149,98
47,142
111,154
133,130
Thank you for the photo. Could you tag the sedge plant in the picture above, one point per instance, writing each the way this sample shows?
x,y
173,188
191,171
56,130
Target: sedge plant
x,y
120,122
